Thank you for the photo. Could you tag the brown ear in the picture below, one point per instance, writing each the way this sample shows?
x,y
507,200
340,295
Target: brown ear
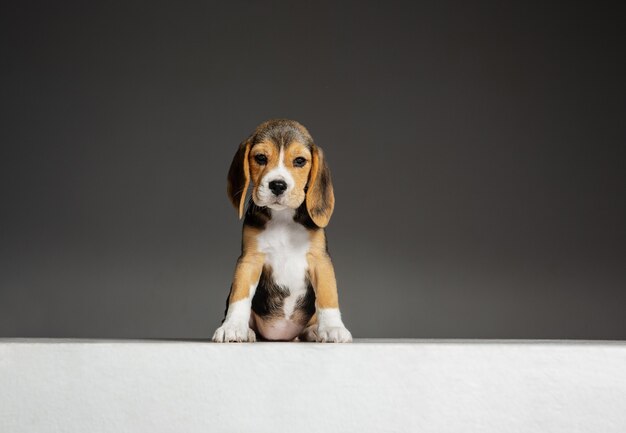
x,y
320,198
239,177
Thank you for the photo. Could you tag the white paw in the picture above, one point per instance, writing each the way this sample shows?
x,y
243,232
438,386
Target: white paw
x,y
333,334
228,333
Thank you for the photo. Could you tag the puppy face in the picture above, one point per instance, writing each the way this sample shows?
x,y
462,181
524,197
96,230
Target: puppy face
x,y
286,169
279,173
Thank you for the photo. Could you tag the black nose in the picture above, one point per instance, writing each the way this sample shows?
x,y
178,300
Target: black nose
x,y
278,186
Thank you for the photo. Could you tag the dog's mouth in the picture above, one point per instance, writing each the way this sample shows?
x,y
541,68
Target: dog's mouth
x,y
277,201
272,203
277,204
281,202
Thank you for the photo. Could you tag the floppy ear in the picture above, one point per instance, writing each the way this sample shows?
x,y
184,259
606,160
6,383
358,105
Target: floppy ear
x,y
320,198
239,177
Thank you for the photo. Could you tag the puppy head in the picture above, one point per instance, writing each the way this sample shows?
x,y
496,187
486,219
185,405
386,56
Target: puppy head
x,y
286,169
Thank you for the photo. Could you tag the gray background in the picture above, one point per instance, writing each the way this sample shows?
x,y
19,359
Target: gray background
x,y
477,151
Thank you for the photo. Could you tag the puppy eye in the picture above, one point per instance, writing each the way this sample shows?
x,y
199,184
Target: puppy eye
x,y
299,162
260,159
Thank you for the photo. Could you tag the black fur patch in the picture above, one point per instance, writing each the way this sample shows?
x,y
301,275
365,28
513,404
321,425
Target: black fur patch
x,y
269,297
307,302
256,216
302,217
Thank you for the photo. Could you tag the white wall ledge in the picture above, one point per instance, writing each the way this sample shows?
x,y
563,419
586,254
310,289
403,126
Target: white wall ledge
x,y
78,385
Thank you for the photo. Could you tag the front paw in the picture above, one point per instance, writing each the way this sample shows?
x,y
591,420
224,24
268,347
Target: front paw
x,y
333,334
229,333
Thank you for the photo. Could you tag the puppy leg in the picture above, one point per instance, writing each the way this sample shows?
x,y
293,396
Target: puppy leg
x,y
330,328
310,331
236,325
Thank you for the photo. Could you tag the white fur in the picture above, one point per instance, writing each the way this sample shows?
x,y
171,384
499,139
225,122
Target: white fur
x,y
330,327
285,244
236,324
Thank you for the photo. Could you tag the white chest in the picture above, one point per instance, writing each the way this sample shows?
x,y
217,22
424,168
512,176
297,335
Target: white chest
x,y
285,244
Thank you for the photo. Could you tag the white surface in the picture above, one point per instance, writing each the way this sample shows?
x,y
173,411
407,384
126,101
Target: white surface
x,y
368,386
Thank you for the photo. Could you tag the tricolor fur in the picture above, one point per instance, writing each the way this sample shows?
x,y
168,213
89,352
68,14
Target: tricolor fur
x,y
284,285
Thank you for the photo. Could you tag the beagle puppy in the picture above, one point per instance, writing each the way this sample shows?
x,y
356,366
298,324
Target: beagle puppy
x,y
284,285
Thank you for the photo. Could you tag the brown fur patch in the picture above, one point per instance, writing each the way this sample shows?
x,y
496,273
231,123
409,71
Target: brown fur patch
x,y
312,320
300,175
320,198
271,151
249,266
321,271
